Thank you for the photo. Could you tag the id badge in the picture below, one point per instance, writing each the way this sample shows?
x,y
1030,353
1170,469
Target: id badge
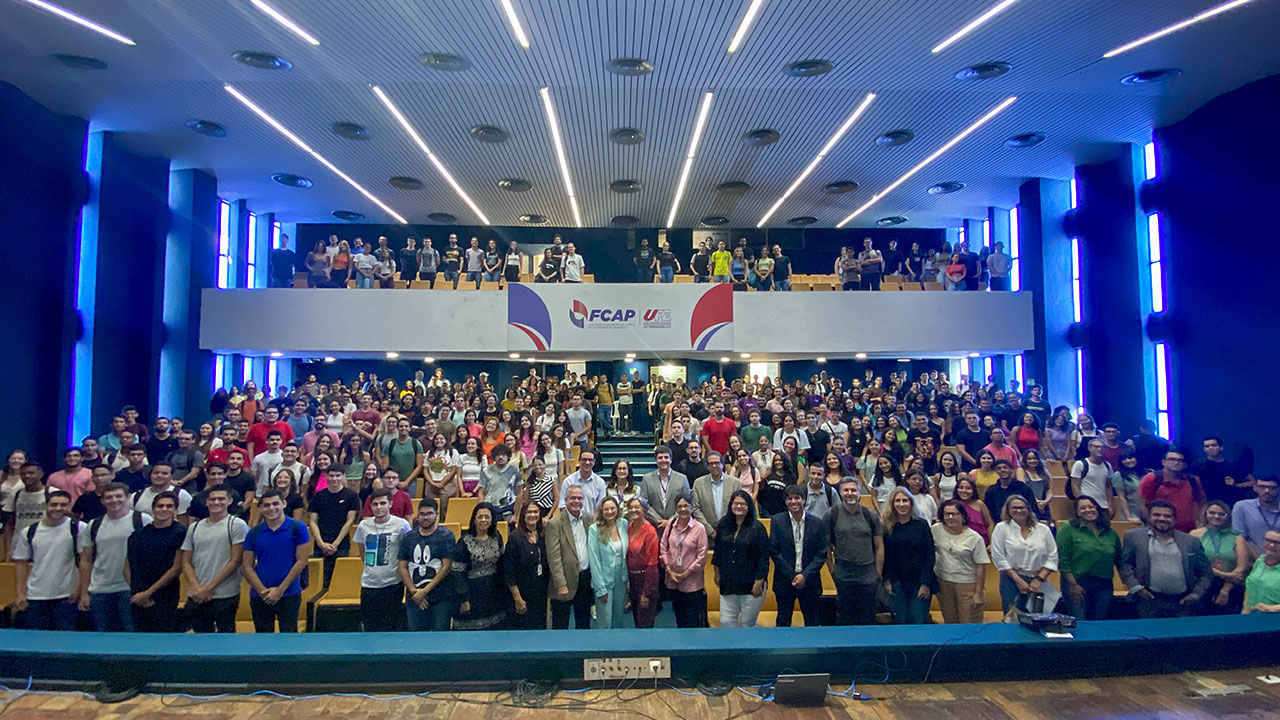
x,y
539,569
1217,564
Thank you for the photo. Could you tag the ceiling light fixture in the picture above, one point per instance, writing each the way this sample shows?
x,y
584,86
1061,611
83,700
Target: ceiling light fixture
x,y
417,139
974,24
514,21
393,355
831,143
81,21
744,356
822,360
428,359
331,359
514,356
933,156
531,360
556,140
973,355
752,10
704,112
277,353
307,148
279,17
725,360
861,356
1211,12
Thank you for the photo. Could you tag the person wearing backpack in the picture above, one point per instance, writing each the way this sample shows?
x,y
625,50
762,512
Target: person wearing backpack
x,y
1093,476
856,539
211,555
108,596
404,454
48,553
275,555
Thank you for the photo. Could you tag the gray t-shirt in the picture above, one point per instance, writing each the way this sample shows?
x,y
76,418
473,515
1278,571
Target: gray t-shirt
x,y
1093,480
475,260
210,547
109,550
578,418
500,485
54,571
852,539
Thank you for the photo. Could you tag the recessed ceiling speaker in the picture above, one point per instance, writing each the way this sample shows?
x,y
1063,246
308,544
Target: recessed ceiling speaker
x,y
626,187
293,181
807,68
714,220
261,60
1025,140
515,185
534,219
404,182
802,220
629,66
891,220
349,215
78,62
984,71
894,138
840,187
761,137
444,61
626,136
208,128
489,133
946,188
1151,77
444,218
625,220
733,187
351,131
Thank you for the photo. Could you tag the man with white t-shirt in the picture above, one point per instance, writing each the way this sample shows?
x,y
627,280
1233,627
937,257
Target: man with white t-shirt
x,y
48,555
211,555
573,266
265,464
378,540
1092,477
161,481
108,599
579,422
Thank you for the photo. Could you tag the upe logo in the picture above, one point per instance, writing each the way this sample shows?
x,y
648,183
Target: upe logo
x,y
581,316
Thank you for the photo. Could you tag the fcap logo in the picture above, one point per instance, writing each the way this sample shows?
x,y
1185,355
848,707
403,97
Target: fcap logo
x,y
581,316
578,314
528,313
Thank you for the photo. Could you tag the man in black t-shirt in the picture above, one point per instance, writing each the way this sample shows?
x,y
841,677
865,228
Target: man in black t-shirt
x,y
971,266
970,440
700,264
160,442
892,259
332,518
153,564
282,263
781,270
643,260
89,505
216,477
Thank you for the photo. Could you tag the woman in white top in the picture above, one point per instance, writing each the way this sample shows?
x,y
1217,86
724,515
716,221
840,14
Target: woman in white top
x,y
763,457
552,457
944,483
442,467
625,404
788,430
548,419
1023,551
960,560
385,269
470,465
926,508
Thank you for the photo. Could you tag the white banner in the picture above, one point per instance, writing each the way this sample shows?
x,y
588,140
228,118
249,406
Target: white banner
x,y
625,317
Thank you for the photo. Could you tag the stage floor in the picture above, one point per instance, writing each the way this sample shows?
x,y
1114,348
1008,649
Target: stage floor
x,y
1211,694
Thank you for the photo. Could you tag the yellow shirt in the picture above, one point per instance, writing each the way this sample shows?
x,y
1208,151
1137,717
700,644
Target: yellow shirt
x,y
720,260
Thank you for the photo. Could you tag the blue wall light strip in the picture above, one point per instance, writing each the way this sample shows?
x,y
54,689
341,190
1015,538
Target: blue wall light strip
x,y
1015,251
86,291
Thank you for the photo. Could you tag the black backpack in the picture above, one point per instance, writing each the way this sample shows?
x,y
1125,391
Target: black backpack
x,y
75,537
96,525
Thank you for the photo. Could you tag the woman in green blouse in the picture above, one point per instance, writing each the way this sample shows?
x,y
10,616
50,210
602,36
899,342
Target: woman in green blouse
x,y
1262,588
1088,555
1226,551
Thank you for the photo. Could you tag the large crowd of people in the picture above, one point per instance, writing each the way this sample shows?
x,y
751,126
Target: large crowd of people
x,y
894,490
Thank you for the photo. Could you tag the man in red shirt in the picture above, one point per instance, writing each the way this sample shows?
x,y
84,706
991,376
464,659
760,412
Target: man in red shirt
x,y
366,411
258,433
1177,487
1002,451
717,429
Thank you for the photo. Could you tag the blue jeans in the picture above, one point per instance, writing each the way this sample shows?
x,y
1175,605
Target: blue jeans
x,y
784,285
604,415
1097,598
720,279
951,285
363,282
112,612
494,276
667,274
907,608
1009,591
51,615
438,615
701,279
764,283
474,276
451,276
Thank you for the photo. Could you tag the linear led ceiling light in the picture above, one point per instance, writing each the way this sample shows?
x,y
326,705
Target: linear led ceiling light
x,y
831,143
933,156
1211,12
440,168
556,140
280,17
974,24
704,112
81,21
514,21
741,33
307,148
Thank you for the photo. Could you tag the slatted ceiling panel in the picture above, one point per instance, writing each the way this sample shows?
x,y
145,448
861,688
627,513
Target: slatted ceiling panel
x,y
184,50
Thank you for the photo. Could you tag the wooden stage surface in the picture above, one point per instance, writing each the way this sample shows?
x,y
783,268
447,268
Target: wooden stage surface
x,y
1212,694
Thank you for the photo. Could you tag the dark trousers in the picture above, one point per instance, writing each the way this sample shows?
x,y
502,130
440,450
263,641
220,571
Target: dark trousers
x,y
110,611
218,615
855,603
382,609
534,617
580,604
1097,598
690,608
438,615
285,610
161,617
51,614
808,598
870,280
1163,605
999,283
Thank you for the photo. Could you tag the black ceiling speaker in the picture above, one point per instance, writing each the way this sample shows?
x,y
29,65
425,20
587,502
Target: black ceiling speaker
x,y
626,136
293,181
349,215
261,60
489,133
208,128
807,68
444,61
984,71
442,218
629,66
1025,140
515,185
761,137
840,187
351,131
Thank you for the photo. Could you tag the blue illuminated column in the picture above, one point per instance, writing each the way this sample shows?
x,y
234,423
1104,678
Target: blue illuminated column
x,y
1151,284
1044,261
191,264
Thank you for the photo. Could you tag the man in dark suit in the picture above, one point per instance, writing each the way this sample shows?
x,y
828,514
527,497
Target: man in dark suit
x,y
798,546
567,556
1165,569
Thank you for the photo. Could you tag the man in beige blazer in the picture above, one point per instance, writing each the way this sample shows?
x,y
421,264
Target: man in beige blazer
x,y
567,555
711,493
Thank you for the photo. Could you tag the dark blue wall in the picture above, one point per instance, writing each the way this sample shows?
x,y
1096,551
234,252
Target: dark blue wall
x,y
1218,198
42,186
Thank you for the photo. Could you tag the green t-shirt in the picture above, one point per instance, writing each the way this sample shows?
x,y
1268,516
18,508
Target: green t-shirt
x,y
751,436
402,457
1263,584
